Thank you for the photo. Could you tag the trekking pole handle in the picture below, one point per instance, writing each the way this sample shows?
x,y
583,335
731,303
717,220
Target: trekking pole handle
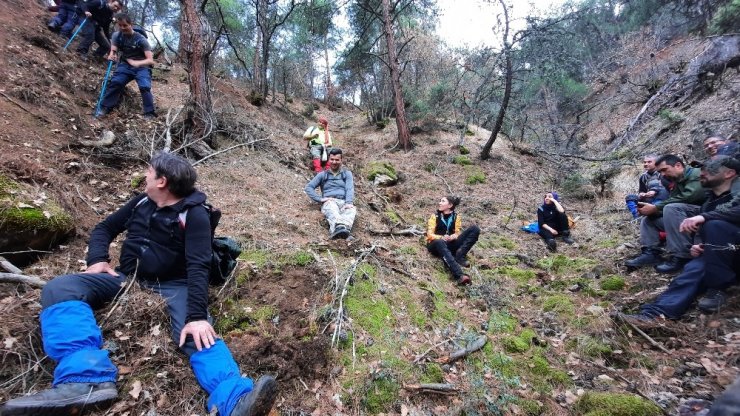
x,y
75,34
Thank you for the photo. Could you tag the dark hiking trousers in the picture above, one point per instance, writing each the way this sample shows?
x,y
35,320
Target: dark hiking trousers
x,y
716,269
90,32
560,225
452,251
124,74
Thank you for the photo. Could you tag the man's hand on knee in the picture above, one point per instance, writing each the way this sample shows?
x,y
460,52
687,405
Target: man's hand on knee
x,y
202,332
102,267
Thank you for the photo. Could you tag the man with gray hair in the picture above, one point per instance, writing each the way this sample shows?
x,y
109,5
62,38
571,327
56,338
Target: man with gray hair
x,y
168,250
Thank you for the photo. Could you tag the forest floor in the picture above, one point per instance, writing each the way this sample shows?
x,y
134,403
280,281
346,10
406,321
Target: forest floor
x,y
544,316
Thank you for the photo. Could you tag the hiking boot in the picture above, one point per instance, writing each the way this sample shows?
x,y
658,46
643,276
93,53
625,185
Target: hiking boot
x,y
101,112
464,280
712,301
259,401
567,239
463,262
647,258
63,399
639,320
53,28
150,116
340,231
551,244
673,265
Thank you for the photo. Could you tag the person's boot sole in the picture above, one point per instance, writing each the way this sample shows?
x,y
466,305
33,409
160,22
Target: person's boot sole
x,y
97,400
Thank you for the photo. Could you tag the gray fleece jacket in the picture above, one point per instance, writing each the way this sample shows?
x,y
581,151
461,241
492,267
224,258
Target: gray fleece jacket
x,y
340,186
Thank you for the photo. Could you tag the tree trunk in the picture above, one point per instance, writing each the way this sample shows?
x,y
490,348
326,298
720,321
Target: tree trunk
x,y
329,89
256,62
198,122
486,151
404,136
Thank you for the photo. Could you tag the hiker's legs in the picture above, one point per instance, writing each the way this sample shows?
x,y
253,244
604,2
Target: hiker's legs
x,y
680,293
650,228
144,81
62,15
347,216
123,75
73,19
440,248
214,367
103,41
316,152
87,36
69,332
678,243
563,227
331,210
462,245
545,234
722,264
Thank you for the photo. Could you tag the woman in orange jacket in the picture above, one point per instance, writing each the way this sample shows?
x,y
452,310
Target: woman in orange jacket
x,y
446,238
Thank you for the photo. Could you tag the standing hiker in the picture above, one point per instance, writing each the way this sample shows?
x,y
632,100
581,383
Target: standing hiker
x,y
319,143
135,62
99,15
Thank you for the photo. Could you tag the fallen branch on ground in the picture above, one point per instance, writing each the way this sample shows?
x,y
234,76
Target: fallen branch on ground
x,y
22,107
411,231
435,388
341,288
21,278
649,339
424,354
464,352
9,266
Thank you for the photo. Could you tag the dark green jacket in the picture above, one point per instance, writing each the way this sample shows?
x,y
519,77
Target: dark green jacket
x,y
686,190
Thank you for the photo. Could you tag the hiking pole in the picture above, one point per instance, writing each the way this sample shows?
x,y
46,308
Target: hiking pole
x,y
105,83
75,34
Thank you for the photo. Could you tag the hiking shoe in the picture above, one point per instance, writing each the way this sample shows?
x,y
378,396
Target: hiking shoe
x,y
463,262
647,258
567,239
53,28
340,231
150,116
639,320
464,280
63,399
551,244
712,301
673,265
259,401
101,112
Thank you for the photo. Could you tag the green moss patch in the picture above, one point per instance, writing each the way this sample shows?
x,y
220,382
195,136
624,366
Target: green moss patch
x,y
560,304
561,264
615,404
462,160
299,258
589,346
368,309
612,283
501,323
377,168
380,396
432,374
513,272
475,175
496,241
242,316
514,344
256,257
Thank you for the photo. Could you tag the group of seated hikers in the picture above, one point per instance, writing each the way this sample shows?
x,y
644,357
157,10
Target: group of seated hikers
x,y
697,226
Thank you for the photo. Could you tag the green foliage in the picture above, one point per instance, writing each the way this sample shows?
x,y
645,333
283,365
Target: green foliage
x,y
589,346
670,117
300,258
409,250
462,160
380,396
464,150
368,309
560,304
576,186
514,344
561,264
501,323
136,180
256,257
376,168
497,241
726,19
530,407
475,175
520,275
612,283
432,374
547,377
615,404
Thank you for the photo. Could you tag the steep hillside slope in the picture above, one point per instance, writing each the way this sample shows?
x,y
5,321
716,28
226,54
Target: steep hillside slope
x,y
549,342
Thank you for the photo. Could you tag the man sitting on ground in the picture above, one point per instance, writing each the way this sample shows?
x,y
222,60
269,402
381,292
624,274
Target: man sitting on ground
x,y
337,195
683,202
168,253
715,266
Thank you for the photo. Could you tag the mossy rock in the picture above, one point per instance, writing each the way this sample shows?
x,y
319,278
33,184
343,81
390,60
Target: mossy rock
x,y
28,222
612,283
378,169
615,404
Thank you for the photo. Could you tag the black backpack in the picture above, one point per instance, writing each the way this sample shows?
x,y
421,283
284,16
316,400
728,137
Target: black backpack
x,y
224,250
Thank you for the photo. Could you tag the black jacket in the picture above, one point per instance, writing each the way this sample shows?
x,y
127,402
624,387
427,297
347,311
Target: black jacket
x,y
100,12
164,248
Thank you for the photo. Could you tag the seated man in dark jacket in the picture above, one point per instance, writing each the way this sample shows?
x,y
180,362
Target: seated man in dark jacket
x,y
168,250
716,264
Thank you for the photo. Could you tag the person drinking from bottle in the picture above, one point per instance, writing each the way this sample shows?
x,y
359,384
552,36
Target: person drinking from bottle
x,y
134,63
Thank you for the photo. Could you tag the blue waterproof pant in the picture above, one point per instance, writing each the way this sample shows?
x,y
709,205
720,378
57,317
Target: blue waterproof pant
x,y
717,269
90,32
72,338
66,19
124,74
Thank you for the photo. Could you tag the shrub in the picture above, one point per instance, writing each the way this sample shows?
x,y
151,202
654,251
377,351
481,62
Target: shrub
x,y
726,19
